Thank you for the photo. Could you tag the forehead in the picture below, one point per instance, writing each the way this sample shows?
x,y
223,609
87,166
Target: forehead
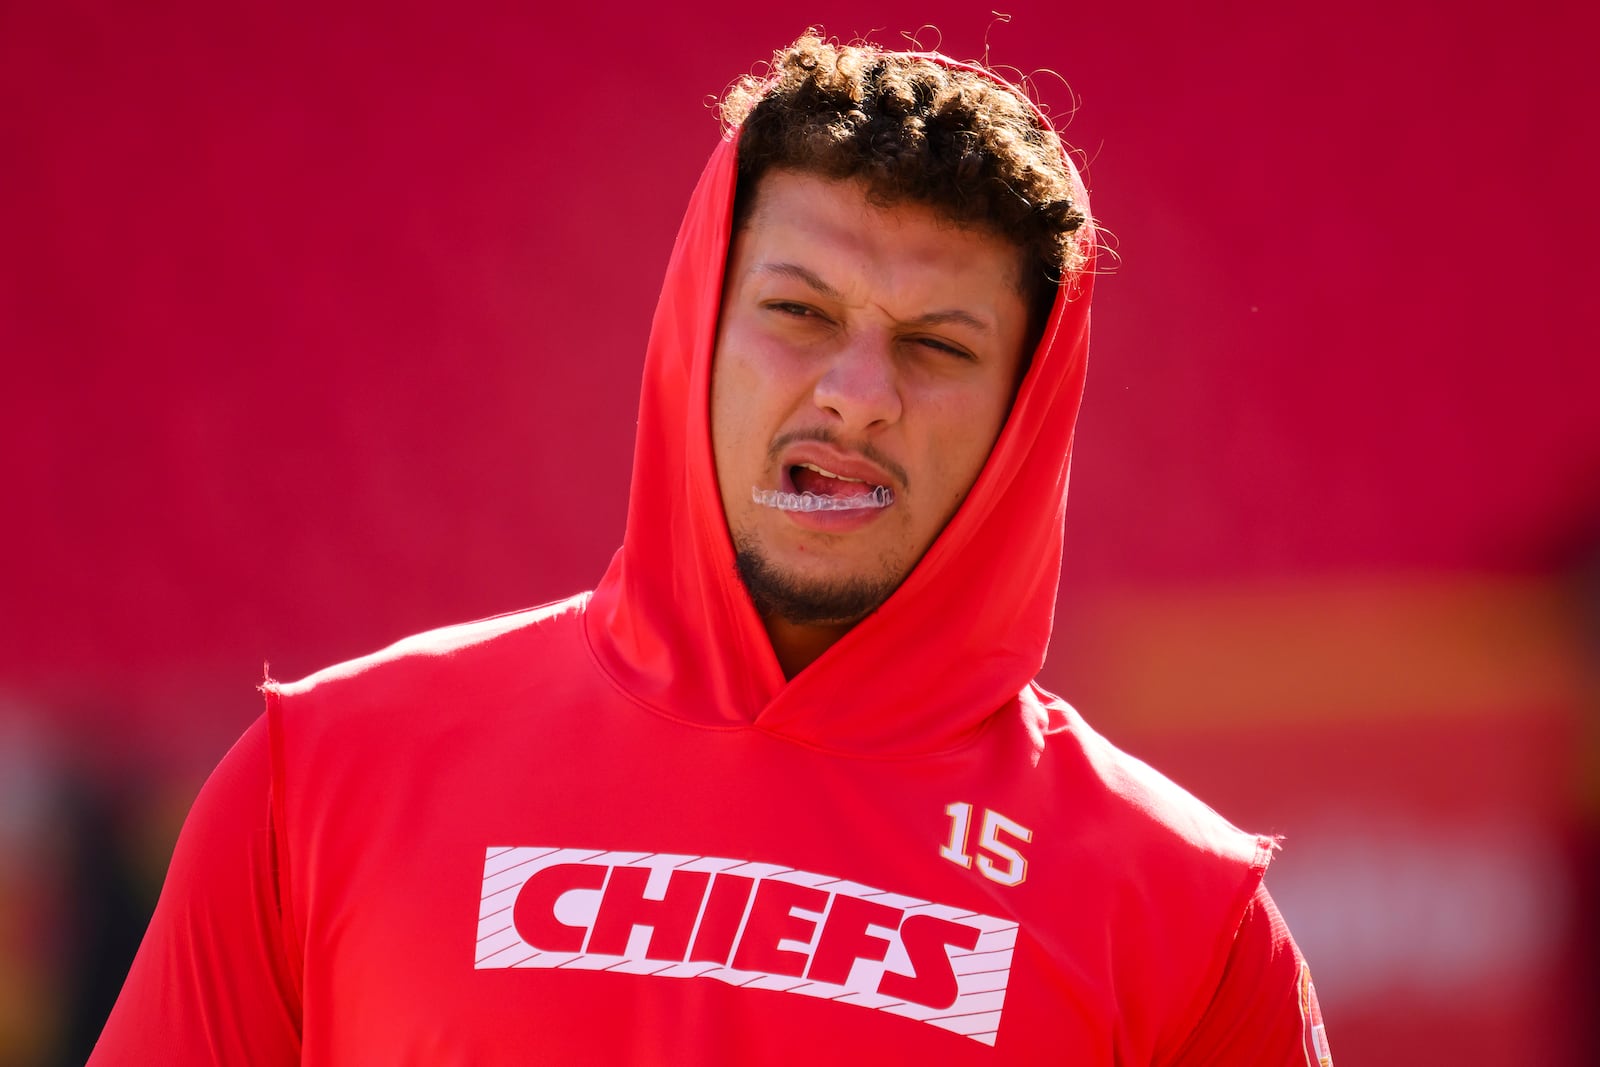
x,y
792,210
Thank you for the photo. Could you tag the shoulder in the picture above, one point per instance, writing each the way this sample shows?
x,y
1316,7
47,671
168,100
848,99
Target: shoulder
x,y
406,695
1175,879
1149,811
480,641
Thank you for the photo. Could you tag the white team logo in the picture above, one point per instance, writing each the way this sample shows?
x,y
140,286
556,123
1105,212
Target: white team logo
x,y
754,925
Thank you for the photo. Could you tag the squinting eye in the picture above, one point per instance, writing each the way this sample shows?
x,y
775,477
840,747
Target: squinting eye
x,y
940,346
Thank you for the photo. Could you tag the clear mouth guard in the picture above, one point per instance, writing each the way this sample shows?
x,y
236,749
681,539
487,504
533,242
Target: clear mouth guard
x,y
880,497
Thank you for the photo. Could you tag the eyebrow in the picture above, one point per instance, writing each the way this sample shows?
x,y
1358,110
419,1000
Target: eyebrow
x,y
810,279
799,274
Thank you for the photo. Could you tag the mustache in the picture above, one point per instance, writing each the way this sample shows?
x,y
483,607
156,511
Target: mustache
x,y
823,435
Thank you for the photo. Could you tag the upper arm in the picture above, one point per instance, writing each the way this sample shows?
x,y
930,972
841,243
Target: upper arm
x,y
211,982
1264,1012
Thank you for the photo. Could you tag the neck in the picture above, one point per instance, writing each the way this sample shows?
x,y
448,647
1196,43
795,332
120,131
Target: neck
x,y
797,645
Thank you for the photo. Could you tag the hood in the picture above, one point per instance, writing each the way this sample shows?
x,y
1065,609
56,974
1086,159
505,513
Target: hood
x,y
963,635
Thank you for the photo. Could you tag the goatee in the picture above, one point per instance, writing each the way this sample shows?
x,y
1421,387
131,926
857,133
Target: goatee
x,y
832,603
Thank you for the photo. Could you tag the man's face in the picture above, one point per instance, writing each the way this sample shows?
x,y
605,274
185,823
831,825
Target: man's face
x,y
866,360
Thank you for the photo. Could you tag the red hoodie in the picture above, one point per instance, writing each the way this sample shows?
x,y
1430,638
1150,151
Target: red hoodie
x,y
610,831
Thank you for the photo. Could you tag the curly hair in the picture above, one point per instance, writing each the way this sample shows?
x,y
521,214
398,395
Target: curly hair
x,y
915,129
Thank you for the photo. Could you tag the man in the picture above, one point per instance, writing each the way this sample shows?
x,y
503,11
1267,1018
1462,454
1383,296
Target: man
x,y
781,787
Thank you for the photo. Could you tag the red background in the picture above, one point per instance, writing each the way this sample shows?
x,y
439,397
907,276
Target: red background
x,y
320,327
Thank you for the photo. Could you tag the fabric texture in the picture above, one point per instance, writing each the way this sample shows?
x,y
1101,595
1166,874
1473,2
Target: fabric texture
x,y
610,831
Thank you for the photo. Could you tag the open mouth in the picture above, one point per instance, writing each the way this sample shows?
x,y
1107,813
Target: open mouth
x,y
818,489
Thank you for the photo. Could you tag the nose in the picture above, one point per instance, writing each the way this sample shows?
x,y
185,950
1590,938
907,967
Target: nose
x,y
861,385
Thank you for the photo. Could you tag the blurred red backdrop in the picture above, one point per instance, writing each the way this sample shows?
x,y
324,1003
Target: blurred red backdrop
x,y
322,326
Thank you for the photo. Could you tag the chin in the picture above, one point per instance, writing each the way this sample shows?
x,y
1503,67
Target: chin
x,y
810,600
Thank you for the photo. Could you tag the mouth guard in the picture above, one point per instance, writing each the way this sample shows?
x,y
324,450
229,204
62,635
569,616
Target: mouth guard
x,y
880,497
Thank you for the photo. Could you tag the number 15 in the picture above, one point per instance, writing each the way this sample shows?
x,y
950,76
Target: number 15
x,y
997,860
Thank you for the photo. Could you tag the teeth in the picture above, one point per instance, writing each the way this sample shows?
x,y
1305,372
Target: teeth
x,y
880,497
830,474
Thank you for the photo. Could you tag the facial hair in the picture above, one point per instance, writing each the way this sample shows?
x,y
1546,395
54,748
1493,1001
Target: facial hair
x,y
828,603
